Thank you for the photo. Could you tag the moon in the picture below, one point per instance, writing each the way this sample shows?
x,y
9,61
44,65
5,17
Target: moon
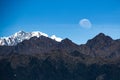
x,y
85,23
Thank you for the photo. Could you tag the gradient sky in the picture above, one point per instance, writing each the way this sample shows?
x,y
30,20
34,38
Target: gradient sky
x,y
61,17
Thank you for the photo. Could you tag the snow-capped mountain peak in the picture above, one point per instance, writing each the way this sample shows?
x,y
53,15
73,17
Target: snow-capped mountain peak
x,y
38,34
21,35
56,38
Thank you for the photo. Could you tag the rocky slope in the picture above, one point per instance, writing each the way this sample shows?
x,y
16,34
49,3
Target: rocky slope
x,y
102,46
43,58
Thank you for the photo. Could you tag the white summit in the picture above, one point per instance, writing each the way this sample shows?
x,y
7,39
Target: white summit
x,y
21,35
56,38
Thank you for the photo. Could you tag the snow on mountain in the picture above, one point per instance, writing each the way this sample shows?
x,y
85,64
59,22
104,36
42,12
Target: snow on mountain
x,y
21,35
56,38
38,34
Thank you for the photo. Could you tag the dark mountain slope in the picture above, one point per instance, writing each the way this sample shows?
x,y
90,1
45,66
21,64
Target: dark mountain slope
x,y
102,46
39,45
56,66
45,59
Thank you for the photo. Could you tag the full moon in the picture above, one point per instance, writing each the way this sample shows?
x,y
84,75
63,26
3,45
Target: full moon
x,y
85,23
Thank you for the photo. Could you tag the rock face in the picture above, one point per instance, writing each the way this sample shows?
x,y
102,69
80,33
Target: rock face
x,y
39,45
102,46
43,58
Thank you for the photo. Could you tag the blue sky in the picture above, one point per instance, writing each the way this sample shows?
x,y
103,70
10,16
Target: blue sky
x,y
61,17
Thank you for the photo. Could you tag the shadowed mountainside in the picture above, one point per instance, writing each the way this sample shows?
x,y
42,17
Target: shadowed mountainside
x,y
46,59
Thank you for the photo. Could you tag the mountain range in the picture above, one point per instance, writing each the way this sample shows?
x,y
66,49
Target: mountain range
x,y
21,36
35,56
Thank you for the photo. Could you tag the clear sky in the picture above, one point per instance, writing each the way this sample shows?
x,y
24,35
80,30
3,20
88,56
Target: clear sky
x,y
61,17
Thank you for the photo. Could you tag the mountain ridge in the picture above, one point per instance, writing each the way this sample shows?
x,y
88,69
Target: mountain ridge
x,y
100,46
43,58
21,36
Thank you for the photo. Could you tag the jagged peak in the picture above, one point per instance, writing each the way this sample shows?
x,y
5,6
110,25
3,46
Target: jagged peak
x,y
22,35
99,39
102,36
66,39
21,31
